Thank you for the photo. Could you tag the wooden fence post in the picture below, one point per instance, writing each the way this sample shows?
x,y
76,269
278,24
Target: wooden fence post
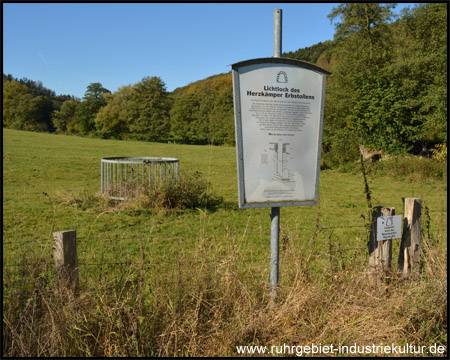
x,y
66,259
380,252
409,256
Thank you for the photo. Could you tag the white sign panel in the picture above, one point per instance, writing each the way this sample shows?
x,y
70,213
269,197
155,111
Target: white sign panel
x,y
389,227
278,115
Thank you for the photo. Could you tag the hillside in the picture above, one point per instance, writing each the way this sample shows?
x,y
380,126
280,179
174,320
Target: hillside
x,y
313,54
211,83
387,90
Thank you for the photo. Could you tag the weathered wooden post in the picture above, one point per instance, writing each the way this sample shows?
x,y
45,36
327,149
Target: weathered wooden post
x,y
409,256
380,251
66,259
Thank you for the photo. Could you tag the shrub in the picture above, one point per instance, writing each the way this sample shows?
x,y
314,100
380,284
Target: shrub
x,y
439,152
343,151
409,167
189,191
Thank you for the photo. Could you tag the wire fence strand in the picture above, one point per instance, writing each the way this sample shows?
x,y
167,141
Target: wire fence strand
x,y
134,262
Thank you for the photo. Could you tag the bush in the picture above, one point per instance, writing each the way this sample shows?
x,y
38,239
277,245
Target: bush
x,y
439,152
189,191
409,167
340,153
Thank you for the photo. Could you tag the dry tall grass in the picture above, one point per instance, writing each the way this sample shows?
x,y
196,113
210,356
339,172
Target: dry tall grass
x,y
210,305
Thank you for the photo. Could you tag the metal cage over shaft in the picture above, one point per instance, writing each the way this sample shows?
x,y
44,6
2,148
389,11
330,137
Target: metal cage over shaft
x,y
124,177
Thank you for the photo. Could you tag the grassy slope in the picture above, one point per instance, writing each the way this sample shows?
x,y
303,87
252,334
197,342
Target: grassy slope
x,y
50,184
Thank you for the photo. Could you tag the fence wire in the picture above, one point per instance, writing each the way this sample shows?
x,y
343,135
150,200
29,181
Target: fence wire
x,y
45,241
198,235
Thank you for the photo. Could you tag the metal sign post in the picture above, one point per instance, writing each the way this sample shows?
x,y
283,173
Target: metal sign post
x,y
274,252
275,211
278,111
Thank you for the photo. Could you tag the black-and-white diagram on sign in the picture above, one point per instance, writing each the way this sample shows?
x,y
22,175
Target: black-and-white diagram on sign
x,y
282,180
281,170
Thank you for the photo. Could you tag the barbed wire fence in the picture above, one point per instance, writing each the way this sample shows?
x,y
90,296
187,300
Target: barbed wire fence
x,y
16,275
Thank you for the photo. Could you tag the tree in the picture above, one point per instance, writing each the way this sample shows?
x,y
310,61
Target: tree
x,y
13,94
381,115
363,49
202,112
113,120
152,105
364,26
93,101
64,116
421,66
185,113
23,111
42,110
221,119
95,91
388,89
311,53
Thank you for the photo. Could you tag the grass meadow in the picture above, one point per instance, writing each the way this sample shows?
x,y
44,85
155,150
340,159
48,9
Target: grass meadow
x,y
195,282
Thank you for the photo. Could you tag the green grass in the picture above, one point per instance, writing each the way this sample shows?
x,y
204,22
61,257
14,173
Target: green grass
x,y
52,183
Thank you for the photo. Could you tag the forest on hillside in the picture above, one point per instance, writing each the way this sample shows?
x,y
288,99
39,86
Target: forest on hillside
x,y
387,90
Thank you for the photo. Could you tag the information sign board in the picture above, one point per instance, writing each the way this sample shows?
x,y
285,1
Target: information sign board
x,y
278,106
389,227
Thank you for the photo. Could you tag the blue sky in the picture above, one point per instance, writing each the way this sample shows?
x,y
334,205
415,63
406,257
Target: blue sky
x,y
67,46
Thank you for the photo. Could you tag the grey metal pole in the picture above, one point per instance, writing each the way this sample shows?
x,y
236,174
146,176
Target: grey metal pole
x,y
101,175
277,32
274,252
275,213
